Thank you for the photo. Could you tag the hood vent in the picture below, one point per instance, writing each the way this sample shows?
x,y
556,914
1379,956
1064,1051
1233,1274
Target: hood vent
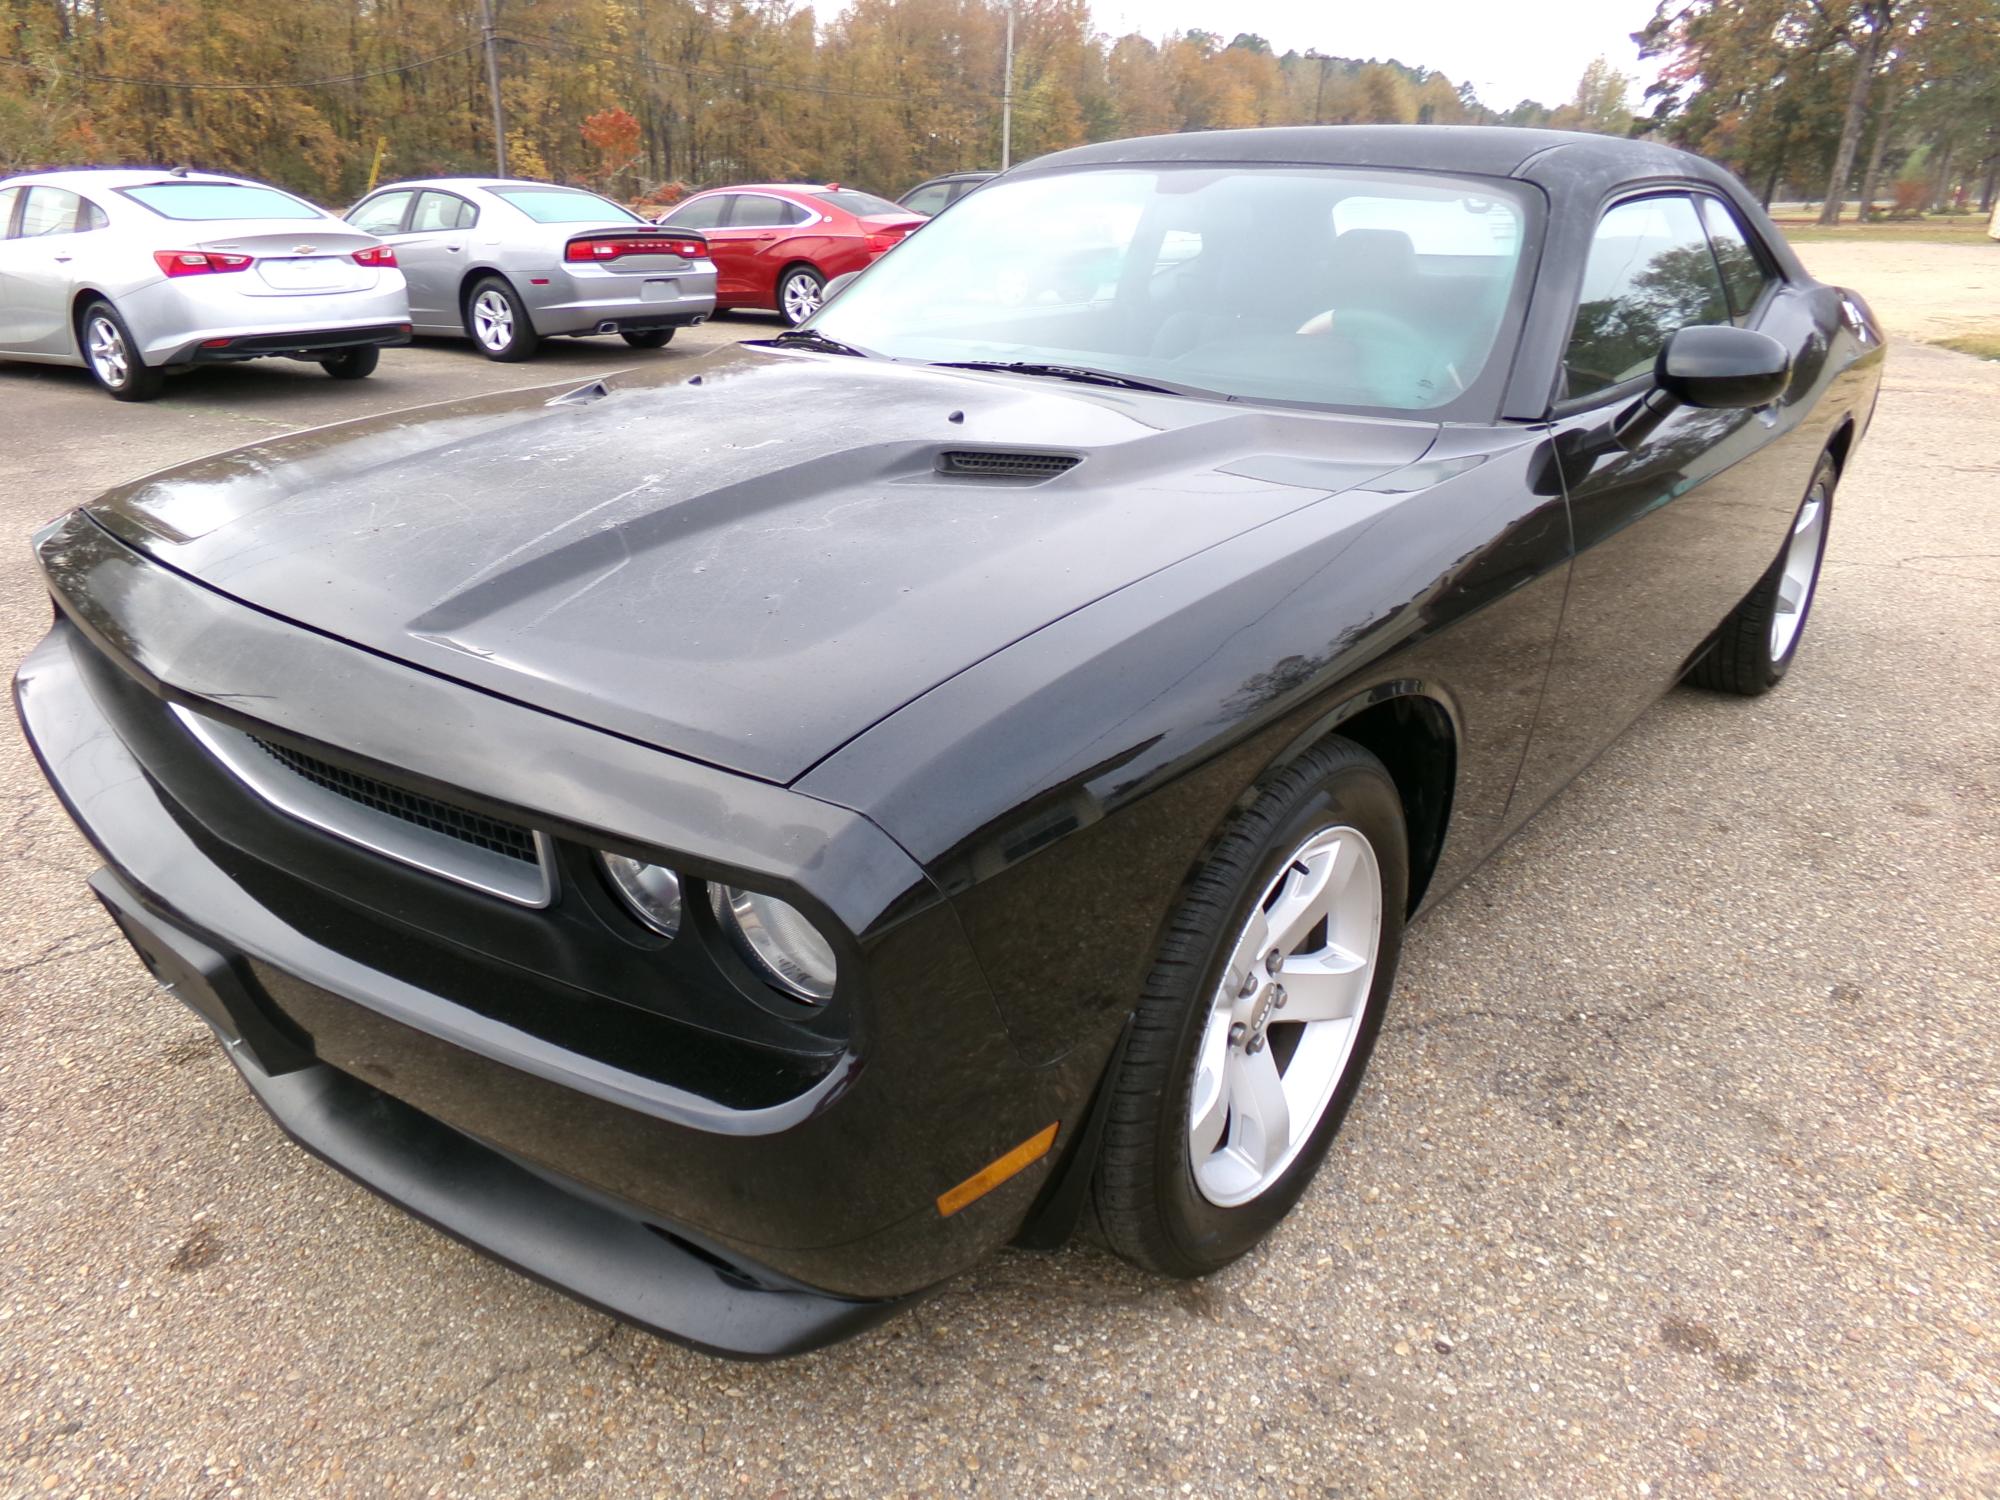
x,y
973,464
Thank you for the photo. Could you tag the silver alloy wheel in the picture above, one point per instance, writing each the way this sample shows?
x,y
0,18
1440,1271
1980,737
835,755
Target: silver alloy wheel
x,y
1283,1022
110,360
1795,582
799,296
493,319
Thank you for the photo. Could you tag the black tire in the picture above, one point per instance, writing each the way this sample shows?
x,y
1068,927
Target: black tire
x,y
649,338
135,380
799,286
1743,659
519,340
1149,1208
353,364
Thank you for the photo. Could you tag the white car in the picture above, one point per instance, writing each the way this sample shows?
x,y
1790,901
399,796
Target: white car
x,y
507,263
136,273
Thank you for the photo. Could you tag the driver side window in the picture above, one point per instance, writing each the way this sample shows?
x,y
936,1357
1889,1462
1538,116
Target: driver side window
x,y
1650,274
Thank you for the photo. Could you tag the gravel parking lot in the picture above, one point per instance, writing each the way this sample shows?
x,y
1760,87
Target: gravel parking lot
x,y
1675,1173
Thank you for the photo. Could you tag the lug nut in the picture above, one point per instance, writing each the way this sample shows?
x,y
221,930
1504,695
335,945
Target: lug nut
x,y
1278,997
1237,1033
1255,1045
1274,961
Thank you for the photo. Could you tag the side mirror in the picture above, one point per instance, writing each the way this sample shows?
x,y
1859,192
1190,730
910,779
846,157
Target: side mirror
x,y
1723,367
1716,367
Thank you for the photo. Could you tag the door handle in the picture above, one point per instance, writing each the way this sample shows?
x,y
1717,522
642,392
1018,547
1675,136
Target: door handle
x,y
454,248
63,260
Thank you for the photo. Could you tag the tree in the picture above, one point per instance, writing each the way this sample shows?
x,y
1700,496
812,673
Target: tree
x,y
1601,102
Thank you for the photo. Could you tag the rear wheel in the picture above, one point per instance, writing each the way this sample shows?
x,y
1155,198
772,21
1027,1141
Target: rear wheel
x,y
353,364
497,320
649,338
800,292
1755,646
113,358
1256,1024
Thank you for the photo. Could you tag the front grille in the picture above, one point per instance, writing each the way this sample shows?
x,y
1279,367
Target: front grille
x,y
975,464
456,822
489,854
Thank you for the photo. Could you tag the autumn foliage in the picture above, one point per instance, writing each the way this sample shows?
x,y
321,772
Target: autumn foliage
x,y
634,94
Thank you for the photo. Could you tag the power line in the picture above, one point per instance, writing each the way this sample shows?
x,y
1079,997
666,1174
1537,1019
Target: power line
x,y
296,83
722,75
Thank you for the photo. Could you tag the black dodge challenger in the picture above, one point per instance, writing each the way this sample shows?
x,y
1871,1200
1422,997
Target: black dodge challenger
x,y
741,843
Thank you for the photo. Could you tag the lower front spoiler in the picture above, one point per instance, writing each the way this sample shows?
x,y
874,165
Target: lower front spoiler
x,y
642,1273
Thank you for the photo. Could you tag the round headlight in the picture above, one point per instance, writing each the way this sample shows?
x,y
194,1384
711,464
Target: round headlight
x,y
653,892
779,940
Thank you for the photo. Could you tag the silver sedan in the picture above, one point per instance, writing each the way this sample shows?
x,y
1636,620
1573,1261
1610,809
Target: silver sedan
x,y
507,263
134,273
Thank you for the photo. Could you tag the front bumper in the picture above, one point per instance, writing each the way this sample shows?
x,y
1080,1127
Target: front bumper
x,y
554,1231
356,975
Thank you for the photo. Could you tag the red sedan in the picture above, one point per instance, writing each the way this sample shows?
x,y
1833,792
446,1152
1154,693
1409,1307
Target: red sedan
x,y
777,245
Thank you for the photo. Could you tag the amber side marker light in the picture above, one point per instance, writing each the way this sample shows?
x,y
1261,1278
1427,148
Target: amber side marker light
x,y
990,1176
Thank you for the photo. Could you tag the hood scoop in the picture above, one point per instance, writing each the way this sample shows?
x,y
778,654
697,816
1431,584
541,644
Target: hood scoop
x,y
989,463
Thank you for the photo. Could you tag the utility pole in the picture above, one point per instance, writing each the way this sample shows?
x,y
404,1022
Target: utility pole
x,y
1007,98
493,88
1319,98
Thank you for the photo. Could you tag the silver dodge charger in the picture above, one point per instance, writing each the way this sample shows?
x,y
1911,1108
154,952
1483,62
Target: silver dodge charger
x,y
135,273
507,263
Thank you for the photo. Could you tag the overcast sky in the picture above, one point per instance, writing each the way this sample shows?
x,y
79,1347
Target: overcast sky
x,y
1506,52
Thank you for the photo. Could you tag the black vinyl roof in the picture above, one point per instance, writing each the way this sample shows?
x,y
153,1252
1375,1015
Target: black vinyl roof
x,y
1542,156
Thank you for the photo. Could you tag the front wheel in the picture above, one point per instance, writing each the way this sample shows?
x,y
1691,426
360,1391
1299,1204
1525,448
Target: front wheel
x,y
113,356
800,292
649,338
497,320
1256,1024
353,364
1757,643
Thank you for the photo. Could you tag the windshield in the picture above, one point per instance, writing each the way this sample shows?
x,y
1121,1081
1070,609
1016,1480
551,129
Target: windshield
x,y
555,205
219,200
1329,286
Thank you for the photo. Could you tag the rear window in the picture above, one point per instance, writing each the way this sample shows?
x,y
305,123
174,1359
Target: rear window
x,y
190,201
555,205
864,205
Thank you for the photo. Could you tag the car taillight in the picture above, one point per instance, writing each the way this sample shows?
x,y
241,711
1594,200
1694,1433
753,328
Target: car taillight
x,y
884,239
375,255
199,262
612,248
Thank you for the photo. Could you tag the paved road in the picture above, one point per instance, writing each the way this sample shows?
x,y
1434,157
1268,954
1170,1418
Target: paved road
x,y
1675,1173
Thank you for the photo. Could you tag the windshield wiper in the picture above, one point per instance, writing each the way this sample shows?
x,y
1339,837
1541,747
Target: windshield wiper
x,y
1081,374
812,338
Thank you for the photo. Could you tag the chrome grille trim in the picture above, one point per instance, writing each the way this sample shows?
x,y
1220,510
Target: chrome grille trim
x,y
269,772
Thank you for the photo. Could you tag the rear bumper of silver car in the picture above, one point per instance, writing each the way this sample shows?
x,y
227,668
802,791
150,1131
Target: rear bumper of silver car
x,y
587,303
174,321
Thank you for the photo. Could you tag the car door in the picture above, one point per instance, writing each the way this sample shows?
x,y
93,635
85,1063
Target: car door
x,y
36,280
708,215
753,240
433,251
10,201
1670,537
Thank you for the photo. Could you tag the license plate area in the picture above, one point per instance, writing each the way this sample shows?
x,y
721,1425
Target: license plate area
x,y
312,273
660,289
202,979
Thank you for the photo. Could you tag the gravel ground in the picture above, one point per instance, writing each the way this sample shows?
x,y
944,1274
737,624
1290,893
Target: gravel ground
x,y
1675,1173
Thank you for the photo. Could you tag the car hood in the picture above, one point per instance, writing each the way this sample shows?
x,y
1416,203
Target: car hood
x,y
748,559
